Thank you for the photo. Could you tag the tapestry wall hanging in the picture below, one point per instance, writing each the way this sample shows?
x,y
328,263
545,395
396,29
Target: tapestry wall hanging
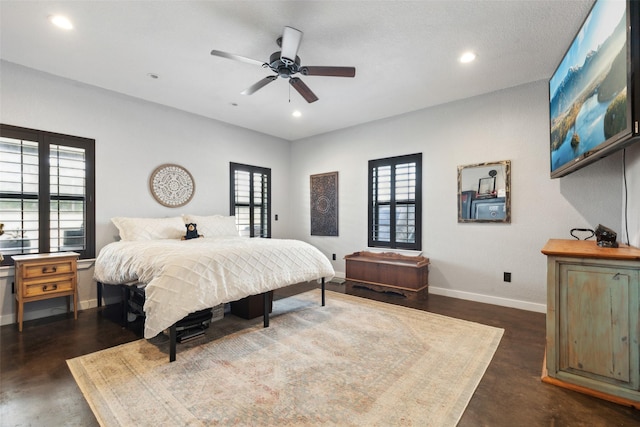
x,y
171,185
324,204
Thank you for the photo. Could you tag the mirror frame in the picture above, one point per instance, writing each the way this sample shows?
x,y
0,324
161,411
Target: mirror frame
x,y
506,165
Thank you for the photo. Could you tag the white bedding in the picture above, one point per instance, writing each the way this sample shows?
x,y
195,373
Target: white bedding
x,y
184,276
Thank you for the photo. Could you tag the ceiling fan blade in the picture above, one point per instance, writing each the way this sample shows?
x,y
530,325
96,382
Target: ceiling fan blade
x,y
329,71
259,85
236,57
303,89
290,43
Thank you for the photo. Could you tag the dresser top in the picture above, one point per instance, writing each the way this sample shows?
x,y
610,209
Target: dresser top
x,y
44,257
589,249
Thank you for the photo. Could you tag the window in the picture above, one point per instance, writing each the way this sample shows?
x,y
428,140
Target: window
x,y
251,199
47,190
395,202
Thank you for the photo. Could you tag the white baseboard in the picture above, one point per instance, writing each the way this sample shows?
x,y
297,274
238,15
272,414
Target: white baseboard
x,y
488,299
470,296
10,318
339,278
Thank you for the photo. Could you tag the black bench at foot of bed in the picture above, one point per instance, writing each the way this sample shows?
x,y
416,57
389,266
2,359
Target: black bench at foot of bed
x,y
173,330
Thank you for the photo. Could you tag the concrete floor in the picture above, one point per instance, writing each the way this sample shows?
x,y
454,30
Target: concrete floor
x,y
37,388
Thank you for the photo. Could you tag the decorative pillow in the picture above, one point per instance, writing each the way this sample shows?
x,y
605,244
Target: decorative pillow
x,y
214,225
149,228
192,232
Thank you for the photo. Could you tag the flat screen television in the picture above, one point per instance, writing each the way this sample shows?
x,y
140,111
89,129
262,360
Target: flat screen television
x,y
594,103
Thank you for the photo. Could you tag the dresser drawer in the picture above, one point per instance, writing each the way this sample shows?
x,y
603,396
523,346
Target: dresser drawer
x,y
51,286
45,269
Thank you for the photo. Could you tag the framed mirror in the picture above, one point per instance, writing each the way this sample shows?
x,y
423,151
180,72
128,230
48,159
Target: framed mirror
x,y
484,192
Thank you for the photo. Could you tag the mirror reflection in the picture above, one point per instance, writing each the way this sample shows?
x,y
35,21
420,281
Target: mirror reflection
x,y
484,192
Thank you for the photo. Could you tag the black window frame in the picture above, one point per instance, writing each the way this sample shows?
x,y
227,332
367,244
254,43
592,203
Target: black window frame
x,y
45,140
372,204
266,216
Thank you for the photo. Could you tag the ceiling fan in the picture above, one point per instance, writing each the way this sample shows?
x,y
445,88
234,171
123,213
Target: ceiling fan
x,y
286,63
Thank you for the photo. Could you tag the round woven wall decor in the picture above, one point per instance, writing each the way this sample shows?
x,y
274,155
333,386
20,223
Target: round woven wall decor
x,y
172,185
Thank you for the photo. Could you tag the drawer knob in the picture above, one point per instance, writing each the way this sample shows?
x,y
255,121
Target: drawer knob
x,y
46,270
46,288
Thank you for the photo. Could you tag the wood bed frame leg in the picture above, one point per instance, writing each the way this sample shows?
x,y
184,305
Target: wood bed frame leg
x,y
267,307
323,291
172,343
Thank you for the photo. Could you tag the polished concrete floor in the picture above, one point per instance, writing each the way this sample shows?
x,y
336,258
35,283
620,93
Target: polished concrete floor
x,y
37,389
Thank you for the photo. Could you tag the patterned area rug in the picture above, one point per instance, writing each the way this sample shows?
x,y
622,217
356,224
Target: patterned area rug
x,y
354,362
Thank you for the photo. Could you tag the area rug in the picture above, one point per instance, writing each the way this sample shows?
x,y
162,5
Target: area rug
x,y
354,362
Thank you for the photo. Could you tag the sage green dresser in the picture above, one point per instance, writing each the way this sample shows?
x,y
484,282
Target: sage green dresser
x,y
593,330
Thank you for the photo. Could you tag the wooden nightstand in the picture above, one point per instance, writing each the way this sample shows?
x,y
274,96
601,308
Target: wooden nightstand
x,y
44,276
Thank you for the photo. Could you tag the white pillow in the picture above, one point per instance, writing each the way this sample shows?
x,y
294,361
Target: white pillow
x,y
214,225
149,228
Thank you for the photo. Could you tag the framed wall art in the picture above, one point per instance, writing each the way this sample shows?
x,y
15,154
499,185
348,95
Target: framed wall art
x,y
172,185
484,192
324,204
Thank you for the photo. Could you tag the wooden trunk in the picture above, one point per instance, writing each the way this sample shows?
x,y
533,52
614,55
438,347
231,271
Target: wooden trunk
x,y
389,272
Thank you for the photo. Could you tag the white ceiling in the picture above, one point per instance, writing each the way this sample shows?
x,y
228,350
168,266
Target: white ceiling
x,y
405,53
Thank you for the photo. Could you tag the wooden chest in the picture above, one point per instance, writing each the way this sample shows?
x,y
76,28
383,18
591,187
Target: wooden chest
x,y
389,272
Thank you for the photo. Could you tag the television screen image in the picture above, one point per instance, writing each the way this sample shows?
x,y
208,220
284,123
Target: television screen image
x,y
589,106
489,209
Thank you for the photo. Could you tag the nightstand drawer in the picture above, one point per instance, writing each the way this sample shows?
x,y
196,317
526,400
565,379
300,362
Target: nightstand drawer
x,y
49,268
48,287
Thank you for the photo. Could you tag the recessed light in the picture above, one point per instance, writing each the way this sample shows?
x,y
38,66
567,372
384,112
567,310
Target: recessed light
x,y
467,57
61,22
296,113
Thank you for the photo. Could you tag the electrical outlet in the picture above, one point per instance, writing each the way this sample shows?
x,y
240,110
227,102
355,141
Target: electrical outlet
x,y
276,217
334,257
507,277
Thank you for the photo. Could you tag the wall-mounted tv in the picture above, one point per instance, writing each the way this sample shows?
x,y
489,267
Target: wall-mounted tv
x,y
594,103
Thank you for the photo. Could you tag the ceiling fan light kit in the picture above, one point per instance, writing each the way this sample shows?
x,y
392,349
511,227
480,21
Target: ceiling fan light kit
x,y
290,43
286,63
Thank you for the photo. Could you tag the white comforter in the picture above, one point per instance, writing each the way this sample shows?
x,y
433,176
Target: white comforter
x,y
183,276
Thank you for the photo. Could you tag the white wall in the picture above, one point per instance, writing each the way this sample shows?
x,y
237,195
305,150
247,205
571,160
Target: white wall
x,y
632,214
467,260
133,137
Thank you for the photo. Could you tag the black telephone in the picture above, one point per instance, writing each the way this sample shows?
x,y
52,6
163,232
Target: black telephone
x,y
606,237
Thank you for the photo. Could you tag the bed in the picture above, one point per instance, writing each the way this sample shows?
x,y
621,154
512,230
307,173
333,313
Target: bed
x,y
185,276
